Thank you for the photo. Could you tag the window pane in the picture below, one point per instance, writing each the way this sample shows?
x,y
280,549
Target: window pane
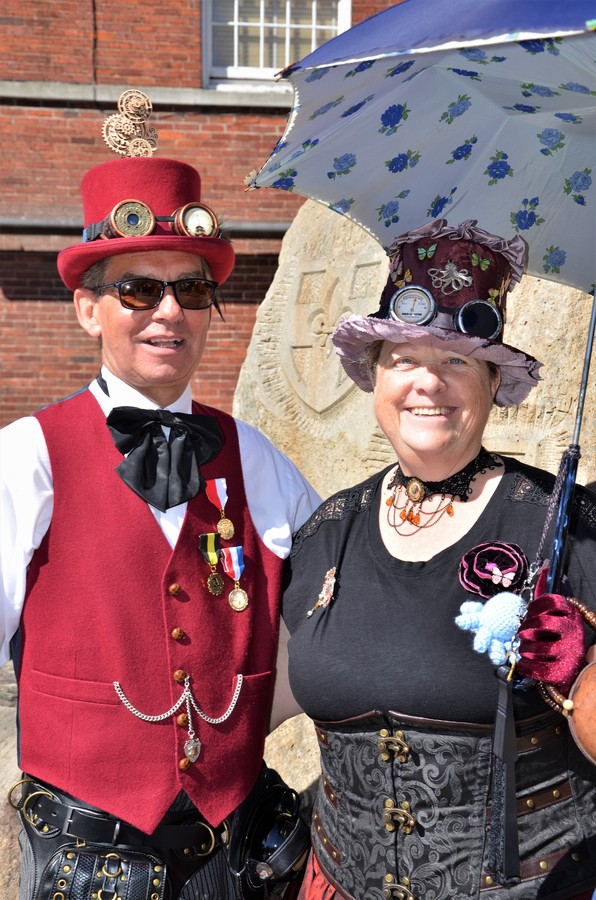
x,y
275,11
275,48
327,14
249,47
223,11
300,42
249,10
268,35
222,52
302,12
322,35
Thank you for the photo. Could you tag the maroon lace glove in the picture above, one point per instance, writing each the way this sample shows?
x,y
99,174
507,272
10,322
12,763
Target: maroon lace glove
x,y
552,643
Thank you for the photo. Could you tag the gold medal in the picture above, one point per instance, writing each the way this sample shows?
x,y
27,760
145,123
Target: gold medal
x,y
217,494
215,584
225,528
238,599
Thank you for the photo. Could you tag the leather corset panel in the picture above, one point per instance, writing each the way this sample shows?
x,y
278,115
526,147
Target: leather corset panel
x,y
403,810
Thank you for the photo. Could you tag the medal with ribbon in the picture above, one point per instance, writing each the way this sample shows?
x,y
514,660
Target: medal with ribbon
x,y
217,493
233,563
209,545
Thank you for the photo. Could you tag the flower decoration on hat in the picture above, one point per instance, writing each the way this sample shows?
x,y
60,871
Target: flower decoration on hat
x,y
126,132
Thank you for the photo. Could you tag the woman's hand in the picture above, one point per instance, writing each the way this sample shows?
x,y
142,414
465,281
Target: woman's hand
x,y
552,644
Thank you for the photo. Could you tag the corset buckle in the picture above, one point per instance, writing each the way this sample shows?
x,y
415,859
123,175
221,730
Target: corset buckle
x,y
388,744
400,814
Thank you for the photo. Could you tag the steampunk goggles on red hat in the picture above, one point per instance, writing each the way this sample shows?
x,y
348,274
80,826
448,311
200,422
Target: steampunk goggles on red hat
x,y
415,305
133,218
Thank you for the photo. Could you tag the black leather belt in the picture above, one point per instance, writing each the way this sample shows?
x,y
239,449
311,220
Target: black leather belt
x,y
41,807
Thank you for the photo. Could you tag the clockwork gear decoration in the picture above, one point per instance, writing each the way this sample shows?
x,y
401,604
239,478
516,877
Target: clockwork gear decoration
x,y
126,132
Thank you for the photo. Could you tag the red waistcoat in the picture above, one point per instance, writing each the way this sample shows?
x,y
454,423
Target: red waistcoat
x,y
105,596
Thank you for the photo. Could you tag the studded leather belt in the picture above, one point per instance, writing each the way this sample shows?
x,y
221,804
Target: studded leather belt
x,y
49,814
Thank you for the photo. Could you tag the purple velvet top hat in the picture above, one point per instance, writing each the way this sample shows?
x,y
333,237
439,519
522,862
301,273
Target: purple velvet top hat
x,y
448,285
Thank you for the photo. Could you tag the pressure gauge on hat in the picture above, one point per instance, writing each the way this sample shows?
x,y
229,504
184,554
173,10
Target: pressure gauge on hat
x,y
195,220
413,305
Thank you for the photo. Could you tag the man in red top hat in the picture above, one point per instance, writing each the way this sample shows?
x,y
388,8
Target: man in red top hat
x,y
142,542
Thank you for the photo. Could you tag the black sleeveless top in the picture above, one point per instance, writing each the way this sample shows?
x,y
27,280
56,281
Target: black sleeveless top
x,y
388,640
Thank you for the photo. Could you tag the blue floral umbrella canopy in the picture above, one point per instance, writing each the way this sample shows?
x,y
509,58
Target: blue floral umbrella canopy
x,y
464,109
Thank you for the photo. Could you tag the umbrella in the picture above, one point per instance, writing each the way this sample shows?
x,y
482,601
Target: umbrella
x,y
461,110
464,109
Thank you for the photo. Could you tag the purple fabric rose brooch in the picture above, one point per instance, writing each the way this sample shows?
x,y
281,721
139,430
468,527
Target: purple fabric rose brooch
x,y
496,571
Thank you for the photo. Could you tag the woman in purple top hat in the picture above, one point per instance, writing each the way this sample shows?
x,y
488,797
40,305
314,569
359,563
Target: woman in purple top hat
x,y
407,603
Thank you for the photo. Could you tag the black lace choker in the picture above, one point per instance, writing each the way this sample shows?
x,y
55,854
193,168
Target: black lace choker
x,y
458,485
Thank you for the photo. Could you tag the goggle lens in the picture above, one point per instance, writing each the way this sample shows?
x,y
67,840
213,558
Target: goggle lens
x,y
146,293
479,318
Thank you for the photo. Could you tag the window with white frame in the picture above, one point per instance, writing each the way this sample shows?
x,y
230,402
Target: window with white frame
x,y
255,39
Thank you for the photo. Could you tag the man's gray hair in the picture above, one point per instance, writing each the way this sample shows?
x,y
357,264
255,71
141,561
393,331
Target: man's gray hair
x,y
94,276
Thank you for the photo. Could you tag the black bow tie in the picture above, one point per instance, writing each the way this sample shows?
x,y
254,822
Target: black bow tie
x,y
164,472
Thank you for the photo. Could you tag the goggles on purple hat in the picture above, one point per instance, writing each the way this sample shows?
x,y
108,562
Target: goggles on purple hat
x,y
448,285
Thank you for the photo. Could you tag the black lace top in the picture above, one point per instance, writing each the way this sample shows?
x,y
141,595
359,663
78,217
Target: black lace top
x,y
388,640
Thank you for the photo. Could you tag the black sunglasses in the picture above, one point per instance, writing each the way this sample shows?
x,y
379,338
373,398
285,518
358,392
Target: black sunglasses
x,y
147,293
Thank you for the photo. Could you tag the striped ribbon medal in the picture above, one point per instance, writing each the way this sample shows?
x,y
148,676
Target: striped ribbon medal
x,y
217,493
233,564
209,545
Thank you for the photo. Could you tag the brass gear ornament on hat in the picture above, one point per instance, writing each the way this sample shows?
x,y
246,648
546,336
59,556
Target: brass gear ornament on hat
x,y
141,203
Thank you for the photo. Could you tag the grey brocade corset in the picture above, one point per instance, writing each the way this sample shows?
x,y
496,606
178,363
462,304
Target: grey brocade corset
x,y
403,810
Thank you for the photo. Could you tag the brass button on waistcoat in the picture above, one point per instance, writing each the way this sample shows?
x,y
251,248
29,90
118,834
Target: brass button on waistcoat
x,y
182,720
179,676
184,764
174,589
178,634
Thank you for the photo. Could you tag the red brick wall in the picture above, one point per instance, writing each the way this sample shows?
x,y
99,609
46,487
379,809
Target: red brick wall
x,y
135,41
49,144
46,355
51,149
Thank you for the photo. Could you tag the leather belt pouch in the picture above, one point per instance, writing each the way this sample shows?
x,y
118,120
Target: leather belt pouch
x,y
88,873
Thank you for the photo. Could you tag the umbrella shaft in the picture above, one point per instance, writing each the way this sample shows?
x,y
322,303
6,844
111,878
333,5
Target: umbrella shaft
x,y
586,371
562,523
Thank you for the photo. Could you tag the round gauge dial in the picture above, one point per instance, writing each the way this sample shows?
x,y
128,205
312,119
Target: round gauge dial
x,y
196,221
414,305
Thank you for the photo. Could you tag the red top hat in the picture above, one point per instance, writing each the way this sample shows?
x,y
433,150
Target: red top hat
x,y
162,185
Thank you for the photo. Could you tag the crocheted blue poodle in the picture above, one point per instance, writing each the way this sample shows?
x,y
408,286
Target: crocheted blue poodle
x,y
495,624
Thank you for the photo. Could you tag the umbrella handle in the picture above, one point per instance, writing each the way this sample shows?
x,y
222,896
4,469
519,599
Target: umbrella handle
x,y
562,523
